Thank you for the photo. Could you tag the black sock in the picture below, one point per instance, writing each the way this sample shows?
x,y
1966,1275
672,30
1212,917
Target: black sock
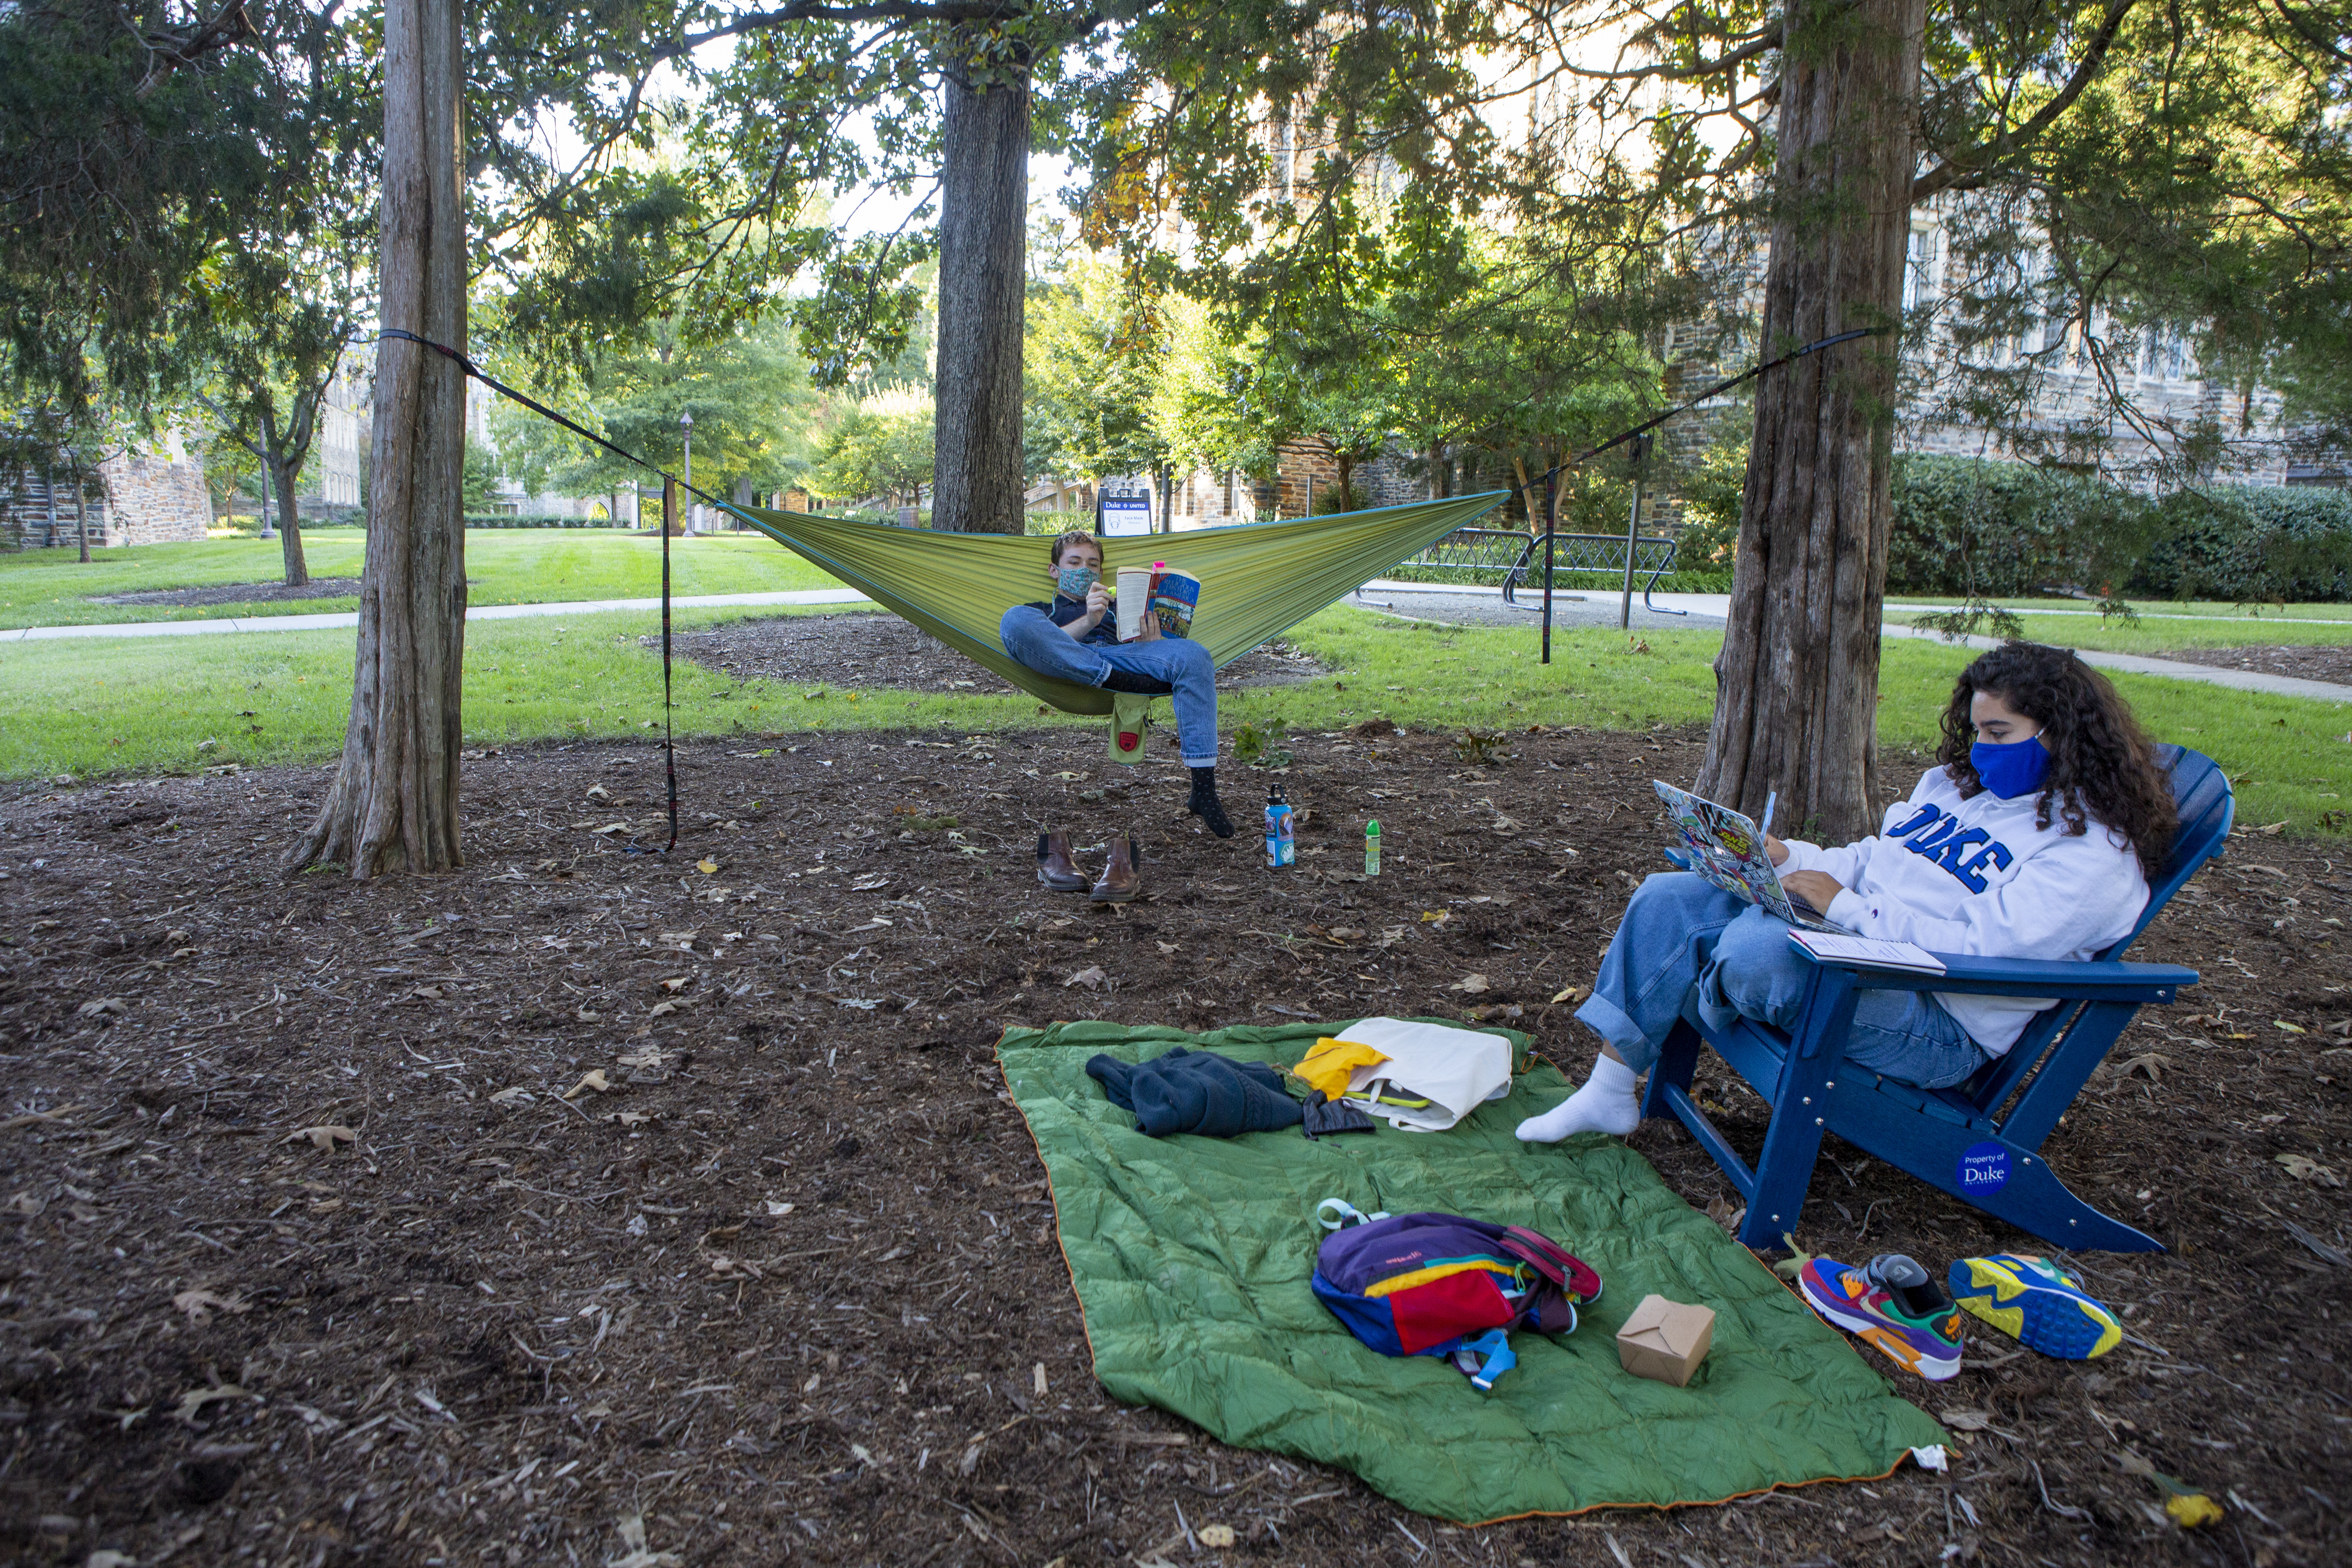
x,y
1205,804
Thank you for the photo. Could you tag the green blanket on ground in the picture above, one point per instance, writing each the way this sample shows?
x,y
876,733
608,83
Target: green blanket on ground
x,y
1191,1256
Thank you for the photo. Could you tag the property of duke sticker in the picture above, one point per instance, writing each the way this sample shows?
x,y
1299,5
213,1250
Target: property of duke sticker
x,y
1984,1168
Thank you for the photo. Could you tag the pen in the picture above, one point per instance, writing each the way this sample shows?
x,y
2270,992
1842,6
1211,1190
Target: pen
x,y
1770,800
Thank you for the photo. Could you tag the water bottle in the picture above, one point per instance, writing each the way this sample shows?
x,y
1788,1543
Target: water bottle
x,y
1373,847
1287,829
1273,827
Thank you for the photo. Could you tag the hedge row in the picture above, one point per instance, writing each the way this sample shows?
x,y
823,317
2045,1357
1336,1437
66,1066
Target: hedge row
x,y
2003,529
475,520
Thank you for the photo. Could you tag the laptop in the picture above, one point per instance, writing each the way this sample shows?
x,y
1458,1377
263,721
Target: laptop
x,y
1728,850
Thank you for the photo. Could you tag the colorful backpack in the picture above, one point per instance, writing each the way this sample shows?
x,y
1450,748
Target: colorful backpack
x,y
1440,1285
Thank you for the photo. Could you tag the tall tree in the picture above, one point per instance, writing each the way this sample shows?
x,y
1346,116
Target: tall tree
x,y
984,230
1796,679
393,804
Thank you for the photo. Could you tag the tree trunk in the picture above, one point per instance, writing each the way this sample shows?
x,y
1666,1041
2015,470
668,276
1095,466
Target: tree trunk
x,y
394,802
81,514
283,469
1797,680
984,231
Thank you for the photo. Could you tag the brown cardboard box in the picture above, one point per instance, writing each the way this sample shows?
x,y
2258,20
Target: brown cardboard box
x,y
1666,1340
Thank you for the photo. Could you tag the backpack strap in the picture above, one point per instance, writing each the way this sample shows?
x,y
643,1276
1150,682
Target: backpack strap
x,y
1574,1277
1347,1212
1485,1358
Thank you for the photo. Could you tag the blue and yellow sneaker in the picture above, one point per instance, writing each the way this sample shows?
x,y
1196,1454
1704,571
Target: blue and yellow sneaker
x,y
2042,1310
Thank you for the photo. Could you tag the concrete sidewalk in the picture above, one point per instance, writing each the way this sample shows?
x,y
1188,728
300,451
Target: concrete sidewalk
x,y
1704,610
1707,610
350,618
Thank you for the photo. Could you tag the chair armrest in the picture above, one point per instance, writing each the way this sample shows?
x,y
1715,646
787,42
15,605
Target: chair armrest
x,y
2110,981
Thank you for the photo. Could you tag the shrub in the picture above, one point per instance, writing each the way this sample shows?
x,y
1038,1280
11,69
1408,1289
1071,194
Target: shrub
x,y
1970,526
500,519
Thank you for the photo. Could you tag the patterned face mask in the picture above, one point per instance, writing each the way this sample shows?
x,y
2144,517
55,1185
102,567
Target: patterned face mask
x,y
1074,581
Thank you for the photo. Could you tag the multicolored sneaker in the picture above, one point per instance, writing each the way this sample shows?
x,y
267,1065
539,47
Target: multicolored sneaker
x,y
1891,1302
2042,1310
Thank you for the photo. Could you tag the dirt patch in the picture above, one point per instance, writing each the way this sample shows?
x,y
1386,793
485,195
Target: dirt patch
x,y
2315,662
239,593
314,1244
866,649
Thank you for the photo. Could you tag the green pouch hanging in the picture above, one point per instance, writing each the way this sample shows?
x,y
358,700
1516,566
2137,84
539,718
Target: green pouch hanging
x,y
1131,726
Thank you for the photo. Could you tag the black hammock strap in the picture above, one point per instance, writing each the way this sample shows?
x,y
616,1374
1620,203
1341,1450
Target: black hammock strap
x,y
670,485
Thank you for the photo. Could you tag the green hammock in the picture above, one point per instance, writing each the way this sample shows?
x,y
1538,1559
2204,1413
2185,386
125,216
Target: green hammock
x,y
1256,580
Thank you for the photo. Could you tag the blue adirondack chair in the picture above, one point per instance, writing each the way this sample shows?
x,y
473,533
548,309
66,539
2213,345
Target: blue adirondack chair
x,y
1980,1141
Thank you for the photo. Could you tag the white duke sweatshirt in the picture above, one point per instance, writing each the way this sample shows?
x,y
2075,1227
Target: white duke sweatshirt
x,y
1975,877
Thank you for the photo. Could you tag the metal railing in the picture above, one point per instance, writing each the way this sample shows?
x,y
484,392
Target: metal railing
x,y
1591,553
1519,558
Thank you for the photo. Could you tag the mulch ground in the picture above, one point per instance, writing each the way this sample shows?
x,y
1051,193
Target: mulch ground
x,y
239,592
869,648
588,1207
2311,661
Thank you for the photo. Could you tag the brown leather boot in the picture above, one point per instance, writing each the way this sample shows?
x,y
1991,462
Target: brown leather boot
x,y
1122,876
1054,868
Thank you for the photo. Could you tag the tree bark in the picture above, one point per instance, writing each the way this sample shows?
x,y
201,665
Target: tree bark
x,y
983,233
394,802
283,469
81,513
1797,679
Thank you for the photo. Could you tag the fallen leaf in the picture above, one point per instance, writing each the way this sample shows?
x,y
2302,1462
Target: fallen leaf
x,y
1037,1379
1568,994
632,1536
1216,1536
518,1094
323,1137
598,792
1471,984
777,1210
1965,1420
869,884
1435,917
593,1078
708,868
658,1008
675,983
582,1014
644,1056
1165,947
2304,1168
2275,1023
628,1118
427,993
195,1399
2189,1509
2149,1065
610,828
200,1305
1091,977
103,1007
859,1452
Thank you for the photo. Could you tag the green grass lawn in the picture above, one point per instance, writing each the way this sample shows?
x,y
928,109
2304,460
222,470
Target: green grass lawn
x,y
147,705
2301,624
518,566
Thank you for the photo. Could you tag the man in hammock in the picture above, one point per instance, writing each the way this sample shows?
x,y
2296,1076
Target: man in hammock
x,y
1073,637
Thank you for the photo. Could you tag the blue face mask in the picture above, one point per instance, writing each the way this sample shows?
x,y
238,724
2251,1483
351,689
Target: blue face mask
x,y
2013,770
1074,581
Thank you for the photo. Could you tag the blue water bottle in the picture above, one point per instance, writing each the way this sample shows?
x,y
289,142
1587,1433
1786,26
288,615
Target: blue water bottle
x,y
1286,829
1274,825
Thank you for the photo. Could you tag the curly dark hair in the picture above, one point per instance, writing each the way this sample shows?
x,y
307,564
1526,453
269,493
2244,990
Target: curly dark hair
x,y
2102,766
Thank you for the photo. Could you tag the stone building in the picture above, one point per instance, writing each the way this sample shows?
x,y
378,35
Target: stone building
x,y
140,498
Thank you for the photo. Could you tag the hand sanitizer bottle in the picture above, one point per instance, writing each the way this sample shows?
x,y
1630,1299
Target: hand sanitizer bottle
x,y
1373,847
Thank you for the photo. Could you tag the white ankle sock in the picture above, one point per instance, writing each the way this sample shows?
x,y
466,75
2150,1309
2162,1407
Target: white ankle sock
x,y
1606,1103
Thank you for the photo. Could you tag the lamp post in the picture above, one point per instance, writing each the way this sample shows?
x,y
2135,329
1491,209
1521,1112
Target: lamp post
x,y
686,423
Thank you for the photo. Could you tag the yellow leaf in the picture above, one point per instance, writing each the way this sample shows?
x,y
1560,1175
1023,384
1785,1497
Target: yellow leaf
x,y
706,866
2290,1028
2189,1509
1568,994
593,1078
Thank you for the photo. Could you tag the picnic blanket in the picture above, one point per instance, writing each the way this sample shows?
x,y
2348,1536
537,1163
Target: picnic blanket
x,y
1191,1257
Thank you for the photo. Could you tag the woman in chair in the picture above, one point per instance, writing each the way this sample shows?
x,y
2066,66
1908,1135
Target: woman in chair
x,y
2037,837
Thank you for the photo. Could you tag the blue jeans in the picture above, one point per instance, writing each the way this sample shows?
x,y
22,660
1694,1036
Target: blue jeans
x,y
1030,636
1687,948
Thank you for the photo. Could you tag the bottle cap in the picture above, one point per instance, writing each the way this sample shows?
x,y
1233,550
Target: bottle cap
x,y
1373,828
